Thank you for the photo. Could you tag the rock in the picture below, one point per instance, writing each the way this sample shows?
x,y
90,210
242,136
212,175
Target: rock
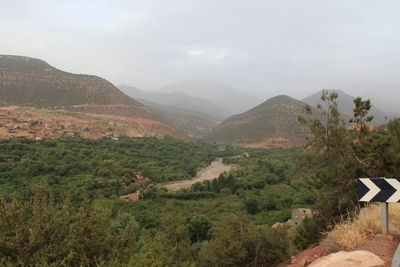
x,y
383,246
311,254
296,265
358,258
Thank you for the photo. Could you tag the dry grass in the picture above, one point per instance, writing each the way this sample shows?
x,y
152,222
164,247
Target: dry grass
x,y
353,233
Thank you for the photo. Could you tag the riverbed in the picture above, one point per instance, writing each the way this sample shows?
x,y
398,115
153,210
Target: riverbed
x,y
212,172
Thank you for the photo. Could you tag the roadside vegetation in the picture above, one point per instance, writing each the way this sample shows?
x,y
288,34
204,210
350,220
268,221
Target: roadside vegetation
x,y
352,232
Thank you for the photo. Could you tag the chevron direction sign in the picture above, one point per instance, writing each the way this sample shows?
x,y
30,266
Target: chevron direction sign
x,y
379,189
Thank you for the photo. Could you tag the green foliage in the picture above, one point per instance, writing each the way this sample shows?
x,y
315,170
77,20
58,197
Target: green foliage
x,y
379,153
40,232
330,161
263,185
191,227
252,205
306,234
169,247
237,242
104,167
360,113
336,157
199,227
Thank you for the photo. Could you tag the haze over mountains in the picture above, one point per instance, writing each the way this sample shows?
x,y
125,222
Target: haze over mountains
x,y
224,96
178,100
199,158
270,124
274,122
187,109
346,106
191,123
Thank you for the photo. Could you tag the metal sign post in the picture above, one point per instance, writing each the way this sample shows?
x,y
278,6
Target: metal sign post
x,y
382,190
385,218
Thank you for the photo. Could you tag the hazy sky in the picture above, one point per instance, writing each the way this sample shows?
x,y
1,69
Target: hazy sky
x,y
261,47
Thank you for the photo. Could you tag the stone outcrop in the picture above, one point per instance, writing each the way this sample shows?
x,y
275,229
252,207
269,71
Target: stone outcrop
x,y
358,258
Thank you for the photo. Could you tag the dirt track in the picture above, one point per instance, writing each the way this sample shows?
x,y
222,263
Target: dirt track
x,y
210,173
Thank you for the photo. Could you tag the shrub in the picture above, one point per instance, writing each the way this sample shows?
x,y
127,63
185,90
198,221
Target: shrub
x,y
40,232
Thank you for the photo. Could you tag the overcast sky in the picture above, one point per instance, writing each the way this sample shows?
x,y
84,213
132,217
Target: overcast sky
x,y
261,47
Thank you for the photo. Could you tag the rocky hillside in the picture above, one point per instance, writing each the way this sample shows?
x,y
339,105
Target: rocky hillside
x,y
271,124
33,83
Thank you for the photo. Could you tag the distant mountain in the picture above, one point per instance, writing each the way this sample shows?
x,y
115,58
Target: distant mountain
x,y
178,100
192,123
384,94
346,106
270,124
224,96
33,83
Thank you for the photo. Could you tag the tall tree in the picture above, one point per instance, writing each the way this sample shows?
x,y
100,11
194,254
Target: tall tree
x,y
323,130
330,159
360,112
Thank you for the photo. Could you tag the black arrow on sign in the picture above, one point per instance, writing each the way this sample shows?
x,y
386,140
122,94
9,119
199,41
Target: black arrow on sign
x,y
386,190
379,189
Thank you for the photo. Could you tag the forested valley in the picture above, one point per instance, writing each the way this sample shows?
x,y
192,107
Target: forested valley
x,y
60,198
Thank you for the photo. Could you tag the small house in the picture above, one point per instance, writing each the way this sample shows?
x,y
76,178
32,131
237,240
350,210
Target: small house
x,y
298,216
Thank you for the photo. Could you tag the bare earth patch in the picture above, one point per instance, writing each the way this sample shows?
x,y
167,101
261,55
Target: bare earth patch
x,y
307,256
131,196
271,142
51,123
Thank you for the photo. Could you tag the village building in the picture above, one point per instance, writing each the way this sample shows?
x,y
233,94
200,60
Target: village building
x,y
298,215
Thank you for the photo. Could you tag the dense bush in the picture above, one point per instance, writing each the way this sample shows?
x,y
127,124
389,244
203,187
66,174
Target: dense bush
x,y
39,232
104,167
237,242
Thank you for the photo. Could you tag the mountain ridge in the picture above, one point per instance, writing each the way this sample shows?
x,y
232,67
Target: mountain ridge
x,y
30,75
31,82
178,100
221,94
346,106
270,124
192,123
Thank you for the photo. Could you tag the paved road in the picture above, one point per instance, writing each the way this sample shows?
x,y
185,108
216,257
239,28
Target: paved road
x,y
210,173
